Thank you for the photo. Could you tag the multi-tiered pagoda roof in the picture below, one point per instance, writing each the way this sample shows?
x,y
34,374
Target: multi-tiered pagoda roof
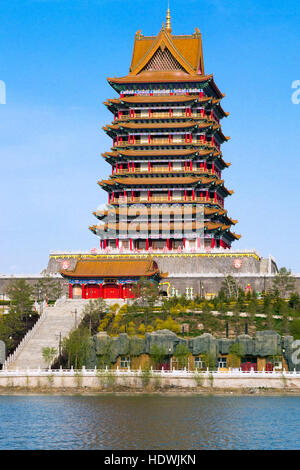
x,y
166,189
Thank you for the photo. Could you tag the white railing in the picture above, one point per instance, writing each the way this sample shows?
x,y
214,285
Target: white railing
x,y
12,357
152,373
96,251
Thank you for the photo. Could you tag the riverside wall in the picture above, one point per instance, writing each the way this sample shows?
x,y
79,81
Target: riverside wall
x,y
139,382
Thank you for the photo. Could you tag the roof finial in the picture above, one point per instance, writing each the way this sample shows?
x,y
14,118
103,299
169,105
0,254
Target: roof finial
x,y
168,22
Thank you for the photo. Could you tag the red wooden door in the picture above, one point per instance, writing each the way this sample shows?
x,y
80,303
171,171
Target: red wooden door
x,y
111,291
92,291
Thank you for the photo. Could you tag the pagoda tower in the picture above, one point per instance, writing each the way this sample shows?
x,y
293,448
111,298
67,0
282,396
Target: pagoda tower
x,y
166,158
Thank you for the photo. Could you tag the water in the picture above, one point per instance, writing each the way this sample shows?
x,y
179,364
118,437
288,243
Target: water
x,y
149,422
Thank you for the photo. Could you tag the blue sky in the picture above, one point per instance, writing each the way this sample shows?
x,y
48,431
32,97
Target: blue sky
x,y
55,58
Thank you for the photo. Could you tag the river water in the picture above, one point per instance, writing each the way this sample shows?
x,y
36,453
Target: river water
x,y
149,422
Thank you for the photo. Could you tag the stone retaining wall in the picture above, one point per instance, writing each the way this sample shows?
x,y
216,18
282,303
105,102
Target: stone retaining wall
x,y
135,382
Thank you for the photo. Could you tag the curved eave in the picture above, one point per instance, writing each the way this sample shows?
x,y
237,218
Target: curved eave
x,y
160,77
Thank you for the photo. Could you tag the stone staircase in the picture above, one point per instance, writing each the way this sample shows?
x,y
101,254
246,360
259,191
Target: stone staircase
x,y
45,333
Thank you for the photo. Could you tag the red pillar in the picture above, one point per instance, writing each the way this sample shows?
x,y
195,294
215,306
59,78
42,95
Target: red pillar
x,y
183,241
120,291
168,243
130,244
147,244
101,291
83,291
70,291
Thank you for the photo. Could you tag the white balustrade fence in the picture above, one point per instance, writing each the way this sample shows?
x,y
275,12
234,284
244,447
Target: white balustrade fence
x,y
139,372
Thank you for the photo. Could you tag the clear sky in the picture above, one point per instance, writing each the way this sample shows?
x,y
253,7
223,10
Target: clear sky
x,y
55,56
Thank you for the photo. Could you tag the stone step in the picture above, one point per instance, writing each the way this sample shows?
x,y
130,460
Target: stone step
x,y
59,319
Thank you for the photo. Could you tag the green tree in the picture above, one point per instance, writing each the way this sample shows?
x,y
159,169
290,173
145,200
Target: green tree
x,y
21,301
93,313
236,352
157,354
181,354
47,288
294,301
147,294
21,316
295,328
49,355
76,347
230,287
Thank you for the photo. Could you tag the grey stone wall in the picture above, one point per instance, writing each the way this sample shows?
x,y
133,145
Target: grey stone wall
x,y
265,343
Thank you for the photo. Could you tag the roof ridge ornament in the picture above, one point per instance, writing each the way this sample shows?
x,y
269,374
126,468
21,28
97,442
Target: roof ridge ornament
x,y
168,22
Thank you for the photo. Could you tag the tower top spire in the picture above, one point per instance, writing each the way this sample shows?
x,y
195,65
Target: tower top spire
x,y
168,22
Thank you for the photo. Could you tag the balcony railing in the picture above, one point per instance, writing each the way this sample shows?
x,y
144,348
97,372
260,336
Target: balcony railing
x,y
167,142
164,170
166,115
165,200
